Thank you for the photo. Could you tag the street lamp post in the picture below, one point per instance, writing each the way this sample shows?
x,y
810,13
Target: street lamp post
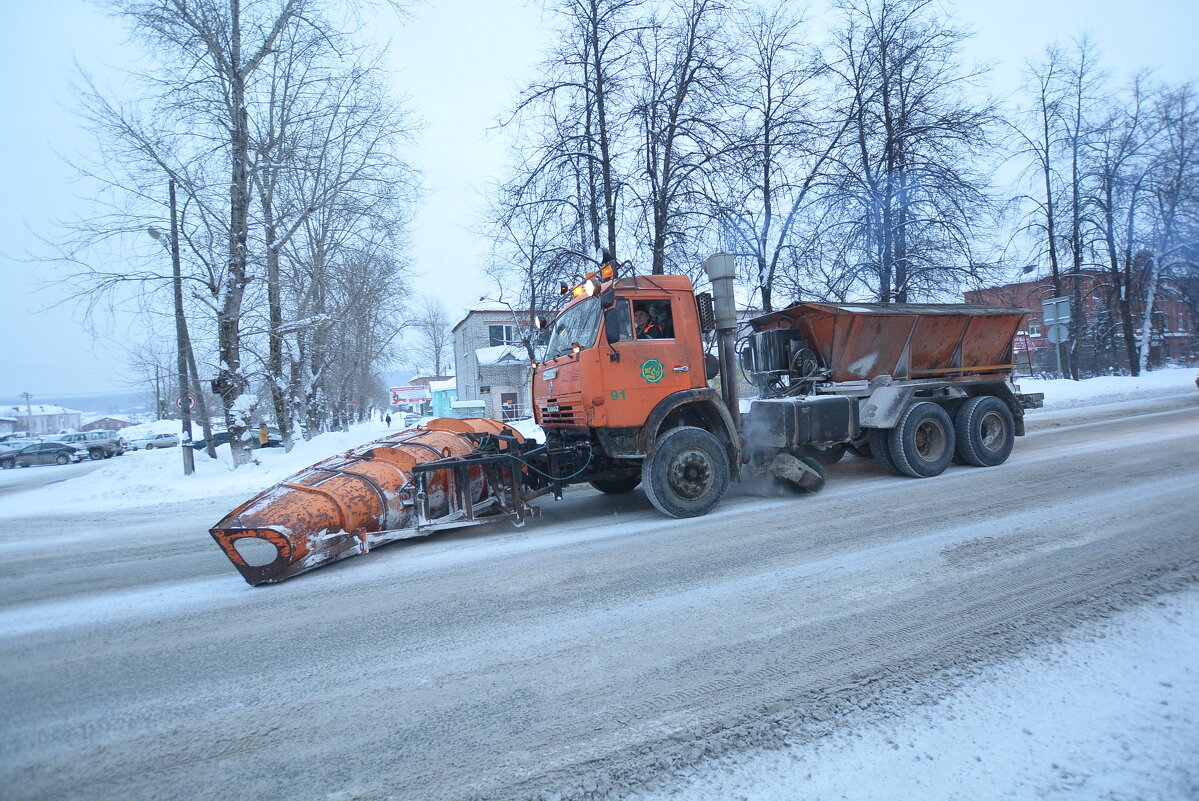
x,y
184,402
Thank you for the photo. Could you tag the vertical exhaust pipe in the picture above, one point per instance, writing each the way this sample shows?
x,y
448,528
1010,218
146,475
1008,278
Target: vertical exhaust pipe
x,y
721,272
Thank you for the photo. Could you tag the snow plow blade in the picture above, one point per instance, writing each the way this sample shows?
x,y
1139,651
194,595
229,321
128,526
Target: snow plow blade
x,y
450,473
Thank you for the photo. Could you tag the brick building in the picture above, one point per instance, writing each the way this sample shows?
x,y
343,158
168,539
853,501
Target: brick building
x,y
1174,336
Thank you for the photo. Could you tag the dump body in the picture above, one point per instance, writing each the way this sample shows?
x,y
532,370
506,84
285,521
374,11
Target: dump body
x,y
905,341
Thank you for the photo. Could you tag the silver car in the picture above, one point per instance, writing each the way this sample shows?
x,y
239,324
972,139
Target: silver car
x,y
154,441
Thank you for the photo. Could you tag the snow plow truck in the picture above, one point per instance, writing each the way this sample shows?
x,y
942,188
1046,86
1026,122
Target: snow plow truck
x,y
625,396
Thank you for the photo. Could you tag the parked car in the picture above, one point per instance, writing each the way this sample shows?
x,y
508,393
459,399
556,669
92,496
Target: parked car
x,y
11,446
119,443
96,444
43,453
273,439
154,441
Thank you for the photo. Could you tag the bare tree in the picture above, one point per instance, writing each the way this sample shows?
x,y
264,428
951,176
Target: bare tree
x,y
431,325
266,117
1061,126
910,179
578,112
680,72
1120,167
1175,198
779,147
530,225
326,144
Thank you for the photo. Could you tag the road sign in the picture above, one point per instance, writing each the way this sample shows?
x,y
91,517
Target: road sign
x,y
1055,310
1057,334
185,400
408,395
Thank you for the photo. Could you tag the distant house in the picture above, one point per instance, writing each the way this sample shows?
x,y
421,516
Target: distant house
x,y
41,418
105,424
8,425
444,393
492,364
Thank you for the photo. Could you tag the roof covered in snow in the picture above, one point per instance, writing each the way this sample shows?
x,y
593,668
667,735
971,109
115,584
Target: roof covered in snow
x,y
501,354
39,410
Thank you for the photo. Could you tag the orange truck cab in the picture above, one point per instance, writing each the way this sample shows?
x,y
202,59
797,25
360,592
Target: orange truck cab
x,y
625,361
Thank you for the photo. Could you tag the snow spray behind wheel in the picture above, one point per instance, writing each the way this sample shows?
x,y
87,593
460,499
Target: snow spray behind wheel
x,y
408,484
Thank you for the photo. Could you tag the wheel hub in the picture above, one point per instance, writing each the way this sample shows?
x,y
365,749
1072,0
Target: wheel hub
x,y
690,474
930,440
992,432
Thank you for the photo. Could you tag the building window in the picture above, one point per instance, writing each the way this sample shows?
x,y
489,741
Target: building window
x,y
501,335
1034,327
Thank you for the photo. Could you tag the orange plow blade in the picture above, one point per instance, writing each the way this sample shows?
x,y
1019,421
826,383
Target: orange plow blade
x,y
450,473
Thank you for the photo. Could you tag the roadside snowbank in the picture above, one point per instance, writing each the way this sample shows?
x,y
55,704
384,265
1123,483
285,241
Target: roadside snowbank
x,y
146,478
1062,394
1112,713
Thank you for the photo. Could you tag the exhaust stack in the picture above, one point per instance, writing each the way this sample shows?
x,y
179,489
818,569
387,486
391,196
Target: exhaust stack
x,y
721,271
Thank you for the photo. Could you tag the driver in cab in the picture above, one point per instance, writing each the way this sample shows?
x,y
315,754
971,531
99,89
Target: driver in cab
x,y
646,327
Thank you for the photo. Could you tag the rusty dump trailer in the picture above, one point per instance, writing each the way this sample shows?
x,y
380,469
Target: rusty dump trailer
x,y
862,342
404,485
913,385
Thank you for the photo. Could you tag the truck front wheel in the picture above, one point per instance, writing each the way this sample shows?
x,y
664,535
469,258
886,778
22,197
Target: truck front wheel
x,y
985,431
922,445
687,474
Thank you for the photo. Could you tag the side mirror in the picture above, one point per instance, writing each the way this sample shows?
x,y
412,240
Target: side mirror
x,y
616,325
540,323
607,298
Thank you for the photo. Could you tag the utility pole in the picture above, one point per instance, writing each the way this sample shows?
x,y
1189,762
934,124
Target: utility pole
x,y
28,411
185,399
157,392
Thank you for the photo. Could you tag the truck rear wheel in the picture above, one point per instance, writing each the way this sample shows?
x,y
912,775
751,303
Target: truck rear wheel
x,y
922,445
616,486
985,431
880,449
687,474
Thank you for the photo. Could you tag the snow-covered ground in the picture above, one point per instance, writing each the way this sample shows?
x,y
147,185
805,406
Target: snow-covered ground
x,y
143,478
149,477
1110,712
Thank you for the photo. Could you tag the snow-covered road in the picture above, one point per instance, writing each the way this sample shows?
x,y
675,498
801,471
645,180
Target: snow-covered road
x,y
595,650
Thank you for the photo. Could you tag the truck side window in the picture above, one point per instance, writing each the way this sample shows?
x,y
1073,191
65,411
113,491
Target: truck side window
x,y
652,319
617,322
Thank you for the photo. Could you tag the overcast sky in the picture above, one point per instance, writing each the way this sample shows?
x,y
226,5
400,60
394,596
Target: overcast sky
x,y
460,63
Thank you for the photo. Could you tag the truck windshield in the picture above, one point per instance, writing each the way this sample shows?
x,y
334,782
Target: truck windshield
x,y
578,325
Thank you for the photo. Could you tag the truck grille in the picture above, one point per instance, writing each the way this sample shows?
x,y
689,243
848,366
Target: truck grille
x,y
562,414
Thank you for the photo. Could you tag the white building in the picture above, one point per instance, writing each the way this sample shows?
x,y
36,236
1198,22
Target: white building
x,y
40,418
492,364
